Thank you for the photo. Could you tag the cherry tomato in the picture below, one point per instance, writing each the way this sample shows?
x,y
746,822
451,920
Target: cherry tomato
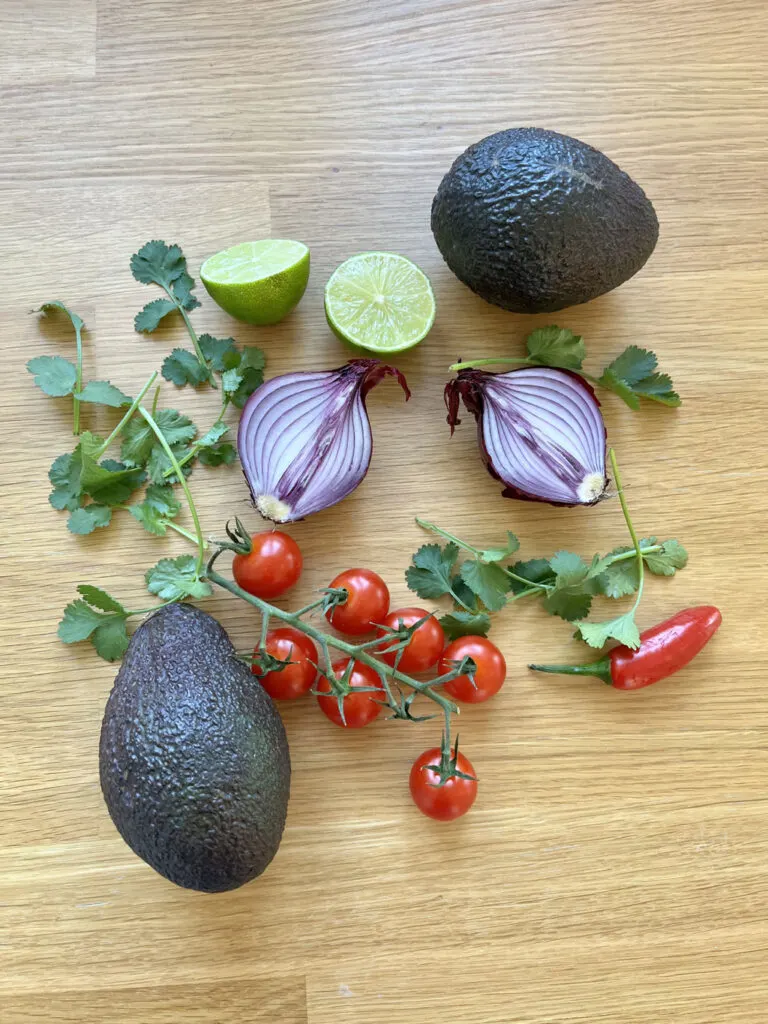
x,y
490,671
359,708
424,647
366,605
273,565
289,644
446,802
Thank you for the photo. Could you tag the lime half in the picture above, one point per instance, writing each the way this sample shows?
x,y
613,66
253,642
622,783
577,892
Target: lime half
x,y
258,282
380,301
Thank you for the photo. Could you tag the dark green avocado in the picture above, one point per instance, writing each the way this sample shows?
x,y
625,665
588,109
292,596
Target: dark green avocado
x,y
535,221
193,759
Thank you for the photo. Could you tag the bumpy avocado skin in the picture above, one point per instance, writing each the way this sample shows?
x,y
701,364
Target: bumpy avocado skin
x,y
193,758
535,221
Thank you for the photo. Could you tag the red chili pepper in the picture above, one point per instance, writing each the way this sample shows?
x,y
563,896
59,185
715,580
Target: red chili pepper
x,y
663,650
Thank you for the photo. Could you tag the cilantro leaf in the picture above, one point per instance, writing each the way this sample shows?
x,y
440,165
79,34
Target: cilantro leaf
x,y
46,307
103,393
574,587
620,579
54,375
537,570
158,263
499,554
488,581
87,519
100,599
251,370
159,505
217,455
139,439
107,482
465,624
556,346
148,319
158,464
463,596
231,381
220,353
624,629
182,290
110,638
429,577
106,632
173,579
666,562
79,622
212,436
182,367
64,474
632,375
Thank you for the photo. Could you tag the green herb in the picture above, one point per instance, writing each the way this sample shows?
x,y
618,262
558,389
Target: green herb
x,y
631,376
59,377
566,584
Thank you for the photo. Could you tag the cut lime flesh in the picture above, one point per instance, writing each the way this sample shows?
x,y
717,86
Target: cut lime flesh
x,y
380,301
258,282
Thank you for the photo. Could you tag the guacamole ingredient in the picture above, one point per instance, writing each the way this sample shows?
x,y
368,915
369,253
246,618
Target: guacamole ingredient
x,y
258,282
380,301
664,649
366,605
270,565
286,664
305,439
490,669
535,221
193,757
443,783
540,432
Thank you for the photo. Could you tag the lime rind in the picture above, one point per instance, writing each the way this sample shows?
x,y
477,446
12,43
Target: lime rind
x,y
258,282
380,301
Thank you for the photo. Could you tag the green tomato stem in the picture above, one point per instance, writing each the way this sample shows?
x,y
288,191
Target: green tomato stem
x,y
184,485
124,421
356,652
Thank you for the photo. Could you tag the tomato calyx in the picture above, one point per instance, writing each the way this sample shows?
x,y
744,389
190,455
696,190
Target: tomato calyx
x,y
394,640
447,768
341,687
262,662
239,539
332,598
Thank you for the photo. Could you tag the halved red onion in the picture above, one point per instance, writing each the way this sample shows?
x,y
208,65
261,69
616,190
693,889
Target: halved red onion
x,y
304,439
540,430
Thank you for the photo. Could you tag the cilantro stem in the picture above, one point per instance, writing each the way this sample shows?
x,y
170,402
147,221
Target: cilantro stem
x,y
477,552
473,364
124,421
628,520
191,454
184,485
184,533
156,399
78,378
325,640
193,337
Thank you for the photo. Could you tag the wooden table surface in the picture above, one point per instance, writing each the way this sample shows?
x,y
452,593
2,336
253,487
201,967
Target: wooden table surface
x,y
615,867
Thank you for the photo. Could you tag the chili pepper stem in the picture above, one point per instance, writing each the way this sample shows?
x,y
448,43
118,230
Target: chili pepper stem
x,y
600,669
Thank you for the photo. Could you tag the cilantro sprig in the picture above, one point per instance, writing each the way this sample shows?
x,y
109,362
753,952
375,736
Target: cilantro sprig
x,y
59,377
567,585
240,370
632,375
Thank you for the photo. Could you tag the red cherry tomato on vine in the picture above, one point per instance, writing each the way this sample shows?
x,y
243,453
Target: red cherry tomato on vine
x,y
366,605
424,647
446,802
359,708
490,670
289,644
272,566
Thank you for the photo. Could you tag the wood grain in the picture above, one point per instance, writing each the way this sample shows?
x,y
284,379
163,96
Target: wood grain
x,y
615,867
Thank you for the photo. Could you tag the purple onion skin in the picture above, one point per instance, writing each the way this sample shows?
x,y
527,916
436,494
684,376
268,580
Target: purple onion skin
x,y
468,386
357,377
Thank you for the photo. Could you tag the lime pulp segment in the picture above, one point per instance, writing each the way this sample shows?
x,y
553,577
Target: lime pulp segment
x,y
253,261
380,301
